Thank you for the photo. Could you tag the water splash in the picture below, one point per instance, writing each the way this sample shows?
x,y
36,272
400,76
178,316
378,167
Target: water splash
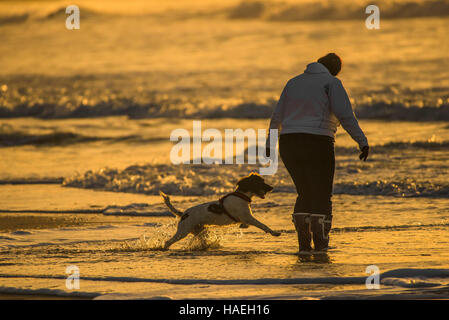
x,y
147,242
209,238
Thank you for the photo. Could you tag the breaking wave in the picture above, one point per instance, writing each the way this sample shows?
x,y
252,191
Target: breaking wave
x,y
32,180
335,10
100,109
18,138
8,139
399,111
86,13
95,95
395,188
400,145
45,15
201,180
381,110
150,179
136,110
13,18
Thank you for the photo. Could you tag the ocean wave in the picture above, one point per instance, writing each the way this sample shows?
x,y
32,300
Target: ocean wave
x,y
95,95
44,180
201,180
399,145
45,15
419,226
382,109
6,238
136,209
135,110
402,111
13,18
19,138
48,292
78,211
9,139
388,228
377,110
85,13
334,10
406,188
100,109
55,247
21,233
409,283
150,179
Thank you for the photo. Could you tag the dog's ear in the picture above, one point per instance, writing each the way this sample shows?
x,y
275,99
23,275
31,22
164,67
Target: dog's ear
x,y
250,182
243,183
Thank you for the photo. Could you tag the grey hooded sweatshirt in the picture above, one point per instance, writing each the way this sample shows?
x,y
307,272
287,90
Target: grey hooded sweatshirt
x,y
316,102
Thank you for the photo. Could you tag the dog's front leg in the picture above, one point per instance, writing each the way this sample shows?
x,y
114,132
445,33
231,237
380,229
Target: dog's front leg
x,y
254,222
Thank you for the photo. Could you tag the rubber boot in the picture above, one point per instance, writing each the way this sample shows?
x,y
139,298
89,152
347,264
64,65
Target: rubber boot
x,y
302,225
321,226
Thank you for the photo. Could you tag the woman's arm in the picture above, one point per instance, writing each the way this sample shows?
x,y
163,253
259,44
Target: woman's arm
x,y
341,107
276,118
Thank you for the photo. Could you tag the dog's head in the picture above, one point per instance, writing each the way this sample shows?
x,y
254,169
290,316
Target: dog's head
x,y
254,183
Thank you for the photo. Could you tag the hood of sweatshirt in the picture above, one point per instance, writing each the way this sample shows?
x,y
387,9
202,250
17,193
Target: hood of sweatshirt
x,y
316,67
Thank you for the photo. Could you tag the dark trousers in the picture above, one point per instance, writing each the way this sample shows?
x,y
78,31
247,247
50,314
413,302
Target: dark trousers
x,y
310,161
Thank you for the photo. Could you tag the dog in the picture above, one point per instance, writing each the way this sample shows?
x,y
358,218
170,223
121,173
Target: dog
x,y
231,209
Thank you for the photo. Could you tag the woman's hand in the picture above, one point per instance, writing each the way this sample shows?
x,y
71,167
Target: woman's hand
x,y
364,154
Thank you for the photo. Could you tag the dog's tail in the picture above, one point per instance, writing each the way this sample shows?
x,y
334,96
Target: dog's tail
x,y
169,205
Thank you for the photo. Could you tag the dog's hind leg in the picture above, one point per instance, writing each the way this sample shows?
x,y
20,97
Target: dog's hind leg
x,y
198,229
181,233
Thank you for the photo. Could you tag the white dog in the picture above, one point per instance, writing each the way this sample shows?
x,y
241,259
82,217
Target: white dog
x,y
232,208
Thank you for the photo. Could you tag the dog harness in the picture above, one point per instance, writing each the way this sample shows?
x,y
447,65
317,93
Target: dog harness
x,y
219,208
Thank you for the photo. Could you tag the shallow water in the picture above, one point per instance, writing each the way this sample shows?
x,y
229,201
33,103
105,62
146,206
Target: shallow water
x,y
122,257
84,134
383,223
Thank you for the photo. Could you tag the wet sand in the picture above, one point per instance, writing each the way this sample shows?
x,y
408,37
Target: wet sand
x,y
8,296
17,222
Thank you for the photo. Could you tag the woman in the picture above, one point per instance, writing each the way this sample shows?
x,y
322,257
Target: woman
x,y
309,110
